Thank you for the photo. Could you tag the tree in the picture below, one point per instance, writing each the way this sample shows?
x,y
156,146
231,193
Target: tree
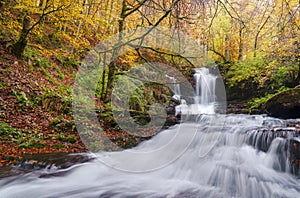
x,y
47,8
128,10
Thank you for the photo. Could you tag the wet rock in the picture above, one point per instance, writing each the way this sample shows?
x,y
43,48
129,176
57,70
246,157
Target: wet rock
x,y
294,155
29,163
284,105
48,160
7,171
262,139
237,107
171,111
170,121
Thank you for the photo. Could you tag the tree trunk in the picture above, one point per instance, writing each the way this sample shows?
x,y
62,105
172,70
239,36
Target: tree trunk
x,y
297,80
126,12
255,44
240,56
257,34
19,46
227,47
110,81
112,66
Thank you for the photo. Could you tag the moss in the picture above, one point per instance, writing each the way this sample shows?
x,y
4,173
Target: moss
x,y
57,146
61,76
285,104
32,144
257,105
70,138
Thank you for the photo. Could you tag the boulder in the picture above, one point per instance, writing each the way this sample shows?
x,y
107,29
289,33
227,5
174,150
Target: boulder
x,y
284,105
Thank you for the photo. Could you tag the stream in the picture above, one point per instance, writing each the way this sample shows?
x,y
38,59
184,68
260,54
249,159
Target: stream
x,y
233,167
247,156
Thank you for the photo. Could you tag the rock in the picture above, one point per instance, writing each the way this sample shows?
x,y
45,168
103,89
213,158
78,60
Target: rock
x,y
29,163
237,107
294,155
171,111
284,105
289,148
170,121
59,160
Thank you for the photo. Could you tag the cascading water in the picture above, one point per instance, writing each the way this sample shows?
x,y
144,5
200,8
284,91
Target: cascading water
x,y
205,86
230,156
175,87
204,99
232,168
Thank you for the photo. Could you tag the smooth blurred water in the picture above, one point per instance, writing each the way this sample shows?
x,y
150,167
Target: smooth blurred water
x,y
204,98
221,161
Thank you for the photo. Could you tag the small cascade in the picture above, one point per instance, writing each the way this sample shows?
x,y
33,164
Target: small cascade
x,y
248,156
281,142
175,88
234,166
205,87
204,98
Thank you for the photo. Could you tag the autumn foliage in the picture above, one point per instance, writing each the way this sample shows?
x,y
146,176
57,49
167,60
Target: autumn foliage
x,y
255,44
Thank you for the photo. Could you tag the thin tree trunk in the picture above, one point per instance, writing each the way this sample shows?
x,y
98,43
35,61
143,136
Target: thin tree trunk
x,y
240,55
227,47
257,34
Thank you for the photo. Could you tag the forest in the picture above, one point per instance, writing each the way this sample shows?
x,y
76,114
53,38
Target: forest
x,y
43,43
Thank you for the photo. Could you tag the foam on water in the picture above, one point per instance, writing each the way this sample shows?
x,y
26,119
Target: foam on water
x,y
231,168
224,159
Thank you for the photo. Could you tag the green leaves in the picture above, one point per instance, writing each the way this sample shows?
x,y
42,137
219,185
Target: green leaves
x,y
70,138
248,70
7,130
257,103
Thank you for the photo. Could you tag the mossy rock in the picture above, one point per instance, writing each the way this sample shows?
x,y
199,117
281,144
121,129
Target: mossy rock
x,y
284,105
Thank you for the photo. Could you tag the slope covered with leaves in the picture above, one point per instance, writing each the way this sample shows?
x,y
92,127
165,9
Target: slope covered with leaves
x,y
35,90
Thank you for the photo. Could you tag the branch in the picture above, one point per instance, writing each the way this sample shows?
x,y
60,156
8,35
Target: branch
x,y
44,14
214,16
218,53
135,8
164,52
238,19
120,44
292,14
166,13
143,15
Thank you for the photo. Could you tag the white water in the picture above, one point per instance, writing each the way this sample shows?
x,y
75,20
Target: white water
x,y
204,99
231,168
175,87
222,161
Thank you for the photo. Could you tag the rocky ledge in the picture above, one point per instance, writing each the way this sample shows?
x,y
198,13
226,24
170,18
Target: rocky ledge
x,y
284,105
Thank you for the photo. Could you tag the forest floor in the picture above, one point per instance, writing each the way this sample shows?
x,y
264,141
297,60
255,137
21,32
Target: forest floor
x,y
36,110
31,119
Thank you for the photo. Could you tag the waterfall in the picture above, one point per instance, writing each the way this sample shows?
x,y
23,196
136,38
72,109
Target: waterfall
x,y
244,156
175,88
204,98
233,167
205,87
